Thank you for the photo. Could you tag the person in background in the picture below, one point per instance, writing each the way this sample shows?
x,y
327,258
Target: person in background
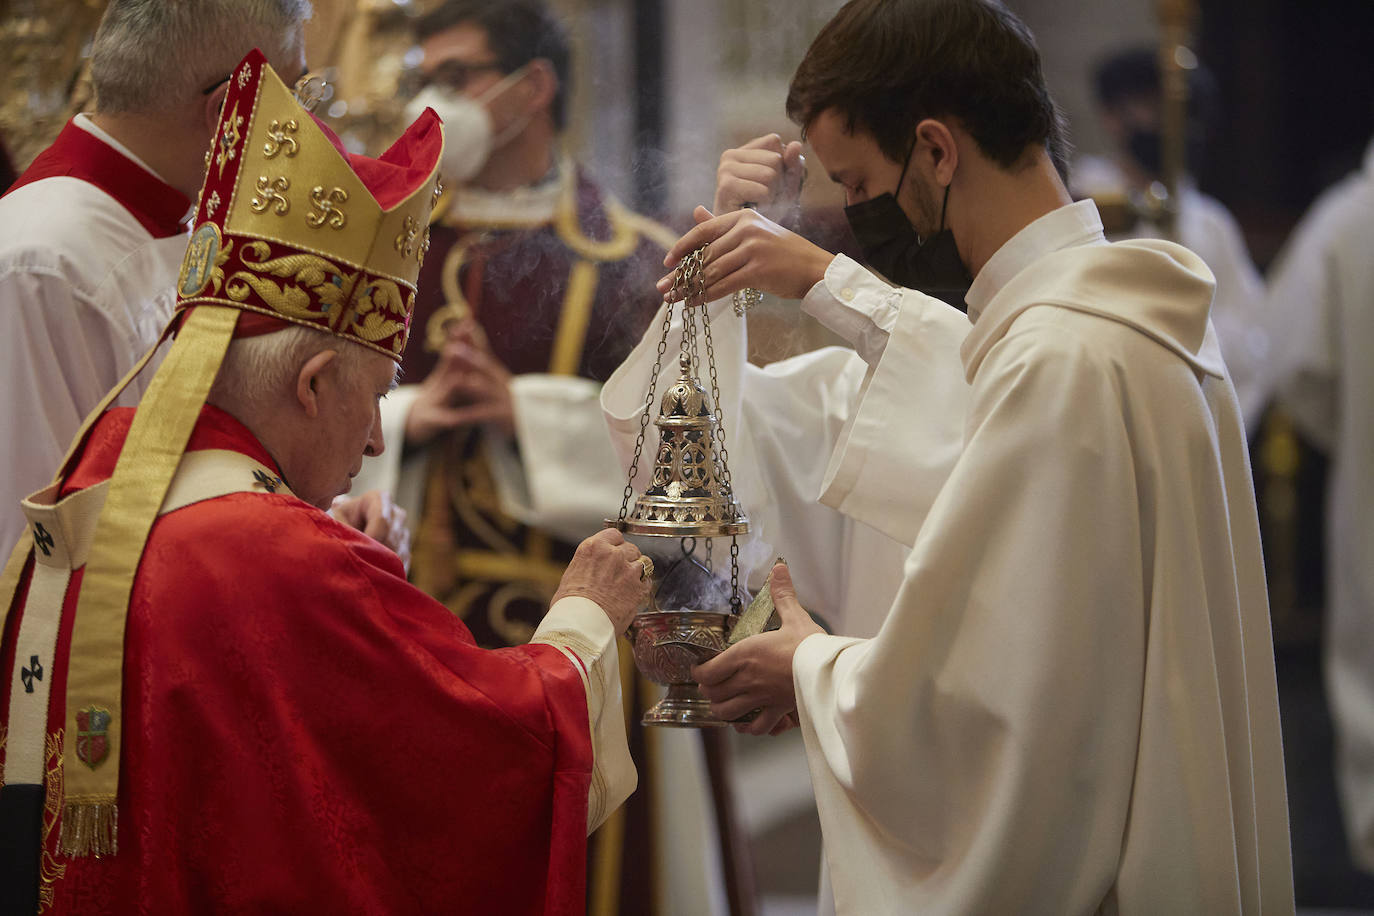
x,y
93,232
1323,286
1129,102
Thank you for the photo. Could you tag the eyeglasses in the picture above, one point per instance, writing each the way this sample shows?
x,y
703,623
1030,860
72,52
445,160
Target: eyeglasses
x,y
225,78
454,75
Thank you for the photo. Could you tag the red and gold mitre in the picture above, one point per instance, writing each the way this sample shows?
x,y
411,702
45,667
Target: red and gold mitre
x,y
290,225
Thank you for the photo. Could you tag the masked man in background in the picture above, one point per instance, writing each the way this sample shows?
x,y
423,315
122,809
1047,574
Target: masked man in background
x,y
218,698
1322,287
536,285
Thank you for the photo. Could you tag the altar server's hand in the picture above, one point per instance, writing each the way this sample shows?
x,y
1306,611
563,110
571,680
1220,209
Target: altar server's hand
x,y
468,385
608,570
749,250
765,172
756,673
377,516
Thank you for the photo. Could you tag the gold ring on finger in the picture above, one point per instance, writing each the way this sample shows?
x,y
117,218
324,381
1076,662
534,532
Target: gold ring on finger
x,y
646,568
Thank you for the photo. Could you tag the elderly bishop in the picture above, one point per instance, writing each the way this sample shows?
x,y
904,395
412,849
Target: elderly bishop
x,y
218,698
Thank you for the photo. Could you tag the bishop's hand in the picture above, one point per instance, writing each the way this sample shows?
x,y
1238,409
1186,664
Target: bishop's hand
x,y
607,569
748,250
756,673
377,516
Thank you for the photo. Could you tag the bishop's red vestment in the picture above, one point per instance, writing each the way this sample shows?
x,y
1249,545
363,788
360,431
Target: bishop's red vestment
x,y
306,732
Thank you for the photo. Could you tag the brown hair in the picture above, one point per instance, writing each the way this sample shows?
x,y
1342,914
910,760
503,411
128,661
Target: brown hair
x,y
887,64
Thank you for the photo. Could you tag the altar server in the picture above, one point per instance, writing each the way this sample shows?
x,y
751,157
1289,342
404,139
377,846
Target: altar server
x,y
1070,705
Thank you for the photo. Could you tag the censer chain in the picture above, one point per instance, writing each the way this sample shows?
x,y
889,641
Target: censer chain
x,y
648,408
689,279
722,457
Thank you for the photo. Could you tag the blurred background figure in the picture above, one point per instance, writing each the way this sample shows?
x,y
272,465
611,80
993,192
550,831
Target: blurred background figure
x,y
535,284
1323,282
1129,100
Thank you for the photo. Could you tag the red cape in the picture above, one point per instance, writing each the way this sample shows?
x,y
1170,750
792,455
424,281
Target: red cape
x,y
307,732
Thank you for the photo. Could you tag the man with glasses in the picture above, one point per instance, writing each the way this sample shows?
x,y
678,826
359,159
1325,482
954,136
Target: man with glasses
x,y
92,234
535,286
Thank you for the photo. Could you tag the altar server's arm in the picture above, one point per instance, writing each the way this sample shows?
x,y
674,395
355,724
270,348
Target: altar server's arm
x,y
906,426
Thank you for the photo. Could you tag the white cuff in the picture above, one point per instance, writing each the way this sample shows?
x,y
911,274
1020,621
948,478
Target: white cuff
x,y
857,305
575,614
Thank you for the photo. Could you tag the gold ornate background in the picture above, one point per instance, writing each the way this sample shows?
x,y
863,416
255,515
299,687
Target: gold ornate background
x,y
43,44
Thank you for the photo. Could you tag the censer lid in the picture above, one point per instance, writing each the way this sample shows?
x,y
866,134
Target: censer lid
x,y
688,495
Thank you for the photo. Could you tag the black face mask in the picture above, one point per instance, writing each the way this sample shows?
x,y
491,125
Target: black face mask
x,y
891,246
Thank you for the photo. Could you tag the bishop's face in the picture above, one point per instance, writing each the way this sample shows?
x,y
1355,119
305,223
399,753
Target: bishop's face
x,y
346,426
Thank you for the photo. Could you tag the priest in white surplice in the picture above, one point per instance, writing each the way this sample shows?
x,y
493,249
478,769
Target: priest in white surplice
x,y
1070,705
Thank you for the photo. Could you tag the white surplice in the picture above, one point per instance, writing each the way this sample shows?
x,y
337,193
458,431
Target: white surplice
x,y
1322,299
1070,707
85,290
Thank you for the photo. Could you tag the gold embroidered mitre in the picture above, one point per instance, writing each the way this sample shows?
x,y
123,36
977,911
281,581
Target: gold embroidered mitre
x,y
289,228
292,226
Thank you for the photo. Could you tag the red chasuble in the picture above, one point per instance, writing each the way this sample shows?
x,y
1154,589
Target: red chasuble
x,y
306,732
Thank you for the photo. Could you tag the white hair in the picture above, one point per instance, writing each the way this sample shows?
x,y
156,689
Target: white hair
x,y
152,55
259,372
